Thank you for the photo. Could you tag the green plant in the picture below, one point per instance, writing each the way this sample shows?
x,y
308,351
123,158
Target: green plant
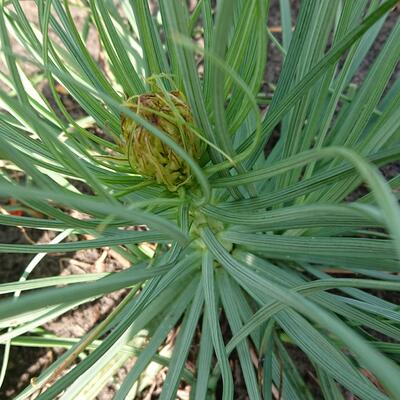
x,y
253,239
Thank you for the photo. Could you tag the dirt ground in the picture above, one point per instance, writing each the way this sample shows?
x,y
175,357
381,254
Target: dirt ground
x,y
26,363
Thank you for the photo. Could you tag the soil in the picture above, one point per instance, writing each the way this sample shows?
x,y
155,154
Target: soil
x,y
26,363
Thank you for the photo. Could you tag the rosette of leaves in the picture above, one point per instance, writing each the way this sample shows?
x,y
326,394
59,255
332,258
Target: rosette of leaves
x,y
146,153
266,252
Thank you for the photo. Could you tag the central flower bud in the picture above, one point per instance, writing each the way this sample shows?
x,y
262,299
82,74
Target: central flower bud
x,y
146,153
